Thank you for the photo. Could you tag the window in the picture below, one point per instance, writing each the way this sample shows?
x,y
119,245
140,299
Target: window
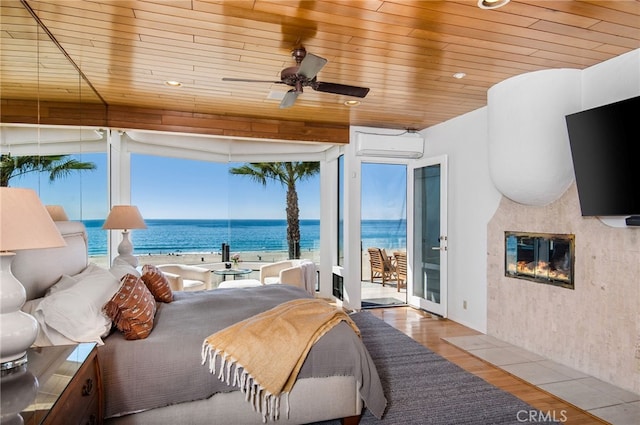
x,y
192,207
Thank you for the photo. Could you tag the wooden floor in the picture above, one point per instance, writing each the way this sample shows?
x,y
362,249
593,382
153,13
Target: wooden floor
x,y
429,331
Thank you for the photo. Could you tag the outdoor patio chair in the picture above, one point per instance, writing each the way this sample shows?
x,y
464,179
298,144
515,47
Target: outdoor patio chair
x,y
184,277
381,265
401,268
301,273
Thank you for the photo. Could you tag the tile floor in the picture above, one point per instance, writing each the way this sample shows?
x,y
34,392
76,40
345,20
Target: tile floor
x,y
610,403
375,291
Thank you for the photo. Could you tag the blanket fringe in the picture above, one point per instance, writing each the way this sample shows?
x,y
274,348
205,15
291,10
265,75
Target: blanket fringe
x,y
262,401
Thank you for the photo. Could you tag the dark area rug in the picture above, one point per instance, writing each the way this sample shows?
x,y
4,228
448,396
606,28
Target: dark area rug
x,y
423,388
380,302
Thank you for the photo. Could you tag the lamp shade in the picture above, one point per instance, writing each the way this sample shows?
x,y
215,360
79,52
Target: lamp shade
x,y
57,213
124,217
25,222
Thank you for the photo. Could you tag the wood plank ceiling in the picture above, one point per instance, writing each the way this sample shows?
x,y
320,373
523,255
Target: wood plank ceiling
x,y
405,51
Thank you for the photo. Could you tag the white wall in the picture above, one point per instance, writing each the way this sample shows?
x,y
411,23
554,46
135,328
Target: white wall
x,y
610,81
472,201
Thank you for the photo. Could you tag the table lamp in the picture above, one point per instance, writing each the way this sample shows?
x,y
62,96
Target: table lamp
x,y
24,224
18,389
125,217
57,212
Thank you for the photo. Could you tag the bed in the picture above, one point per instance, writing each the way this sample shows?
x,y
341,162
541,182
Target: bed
x,y
162,379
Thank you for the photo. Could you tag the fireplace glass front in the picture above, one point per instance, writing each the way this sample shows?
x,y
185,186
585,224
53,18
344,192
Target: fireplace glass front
x,y
540,257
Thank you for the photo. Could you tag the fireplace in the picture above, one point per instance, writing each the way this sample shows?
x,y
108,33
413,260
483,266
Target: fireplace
x,y
540,257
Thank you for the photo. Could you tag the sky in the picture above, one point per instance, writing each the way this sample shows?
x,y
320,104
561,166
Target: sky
x,y
384,188
164,187
181,188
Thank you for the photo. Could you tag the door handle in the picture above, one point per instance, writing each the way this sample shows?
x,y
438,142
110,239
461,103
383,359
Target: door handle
x,y
440,248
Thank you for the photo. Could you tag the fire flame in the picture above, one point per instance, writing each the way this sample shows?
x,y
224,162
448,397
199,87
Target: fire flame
x,y
540,269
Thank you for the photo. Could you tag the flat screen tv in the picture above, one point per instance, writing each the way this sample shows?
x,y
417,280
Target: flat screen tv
x,y
605,147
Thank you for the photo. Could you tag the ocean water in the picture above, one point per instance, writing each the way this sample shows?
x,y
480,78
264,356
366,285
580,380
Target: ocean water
x,y
205,236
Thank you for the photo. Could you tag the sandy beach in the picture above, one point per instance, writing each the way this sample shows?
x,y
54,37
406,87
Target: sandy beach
x,y
209,258
252,260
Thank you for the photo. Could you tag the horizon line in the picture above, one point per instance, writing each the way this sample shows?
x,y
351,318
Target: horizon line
x,y
238,219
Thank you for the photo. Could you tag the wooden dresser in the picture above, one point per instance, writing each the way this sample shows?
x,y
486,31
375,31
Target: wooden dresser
x,y
69,389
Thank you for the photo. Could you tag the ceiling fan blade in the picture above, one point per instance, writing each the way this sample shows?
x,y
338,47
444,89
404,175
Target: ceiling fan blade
x,y
311,65
289,99
243,80
340,89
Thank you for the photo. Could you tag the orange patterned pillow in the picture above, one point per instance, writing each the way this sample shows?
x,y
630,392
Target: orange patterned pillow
x,y
132,308
157,283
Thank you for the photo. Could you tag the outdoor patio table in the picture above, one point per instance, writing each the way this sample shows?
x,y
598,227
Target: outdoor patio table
x,y
236,273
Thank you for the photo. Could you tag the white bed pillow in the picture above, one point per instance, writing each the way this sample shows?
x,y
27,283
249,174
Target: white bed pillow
x,y
76,312
120,268
46,336
91,268
65,282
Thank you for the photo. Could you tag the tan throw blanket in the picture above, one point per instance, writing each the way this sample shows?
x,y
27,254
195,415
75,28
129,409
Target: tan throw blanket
x,y
270,349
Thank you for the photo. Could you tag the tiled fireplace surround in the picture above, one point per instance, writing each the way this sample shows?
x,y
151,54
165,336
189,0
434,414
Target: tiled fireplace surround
x,y
594,328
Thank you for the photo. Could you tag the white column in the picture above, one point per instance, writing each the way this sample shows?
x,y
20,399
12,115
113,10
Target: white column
x,y
119,186
328,221
352,237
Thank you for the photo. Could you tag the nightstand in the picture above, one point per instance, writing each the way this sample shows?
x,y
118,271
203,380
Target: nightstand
x,y
68,389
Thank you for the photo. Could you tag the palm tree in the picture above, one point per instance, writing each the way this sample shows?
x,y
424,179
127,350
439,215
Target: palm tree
x,y
56,165
286,173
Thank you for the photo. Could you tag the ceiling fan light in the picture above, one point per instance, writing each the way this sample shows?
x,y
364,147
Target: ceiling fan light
x,y
491,4
276,95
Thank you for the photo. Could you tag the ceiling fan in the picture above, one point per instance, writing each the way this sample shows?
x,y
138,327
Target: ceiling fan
x,y
304,75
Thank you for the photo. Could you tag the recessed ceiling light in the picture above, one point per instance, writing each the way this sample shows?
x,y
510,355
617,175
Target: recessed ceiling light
x,y
352,102
172,83
491,4
459,75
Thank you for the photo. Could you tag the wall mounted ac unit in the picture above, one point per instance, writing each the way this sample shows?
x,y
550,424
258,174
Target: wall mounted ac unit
x,y
408,145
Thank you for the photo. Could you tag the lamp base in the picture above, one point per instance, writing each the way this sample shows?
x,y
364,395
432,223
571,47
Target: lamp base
x,y
128,258
18,388
19,329
125,249
13,364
